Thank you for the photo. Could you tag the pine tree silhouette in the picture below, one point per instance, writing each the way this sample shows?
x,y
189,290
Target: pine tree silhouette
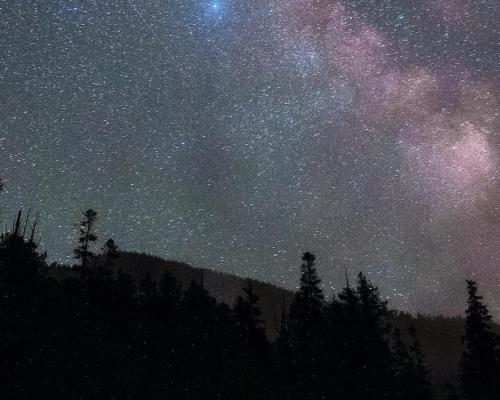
x,y
255,348
110,252
199,346
20,262
412,377
479,365
306,311
86,239
421,387
365,353
376,376
345,349
307,331
25,297
248,314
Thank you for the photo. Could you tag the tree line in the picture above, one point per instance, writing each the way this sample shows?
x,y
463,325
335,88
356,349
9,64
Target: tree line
x,y
101,335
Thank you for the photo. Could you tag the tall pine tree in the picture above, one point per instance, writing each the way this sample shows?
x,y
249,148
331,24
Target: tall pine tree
x,y
248,314
307,328
306,311
87,237
412,377
255,348
479,365
110,253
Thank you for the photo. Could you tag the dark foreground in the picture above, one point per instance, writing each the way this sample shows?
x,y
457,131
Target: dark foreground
x,y
102,336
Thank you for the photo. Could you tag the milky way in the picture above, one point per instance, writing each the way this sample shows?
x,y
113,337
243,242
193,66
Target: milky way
x,y
237,134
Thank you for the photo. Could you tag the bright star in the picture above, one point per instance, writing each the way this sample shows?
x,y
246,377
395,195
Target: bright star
x,y
215,9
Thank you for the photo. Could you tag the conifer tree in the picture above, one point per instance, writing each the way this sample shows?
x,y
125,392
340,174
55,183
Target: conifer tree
x,y
248,313
24,300
198,340
110,252
373,309
86,239
345,349
376,375
364,352
412,377
306,311
307,331
20,261
254,345
422,386
479,365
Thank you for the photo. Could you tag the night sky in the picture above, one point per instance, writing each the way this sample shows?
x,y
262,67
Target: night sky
x,y
237,134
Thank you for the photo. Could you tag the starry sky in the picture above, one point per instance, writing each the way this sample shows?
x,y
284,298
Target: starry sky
x,y
237,134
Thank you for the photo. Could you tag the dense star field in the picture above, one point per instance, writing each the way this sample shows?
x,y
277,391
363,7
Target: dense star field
x,y
238,134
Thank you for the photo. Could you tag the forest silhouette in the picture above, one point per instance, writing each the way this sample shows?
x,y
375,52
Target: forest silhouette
x,y
100,334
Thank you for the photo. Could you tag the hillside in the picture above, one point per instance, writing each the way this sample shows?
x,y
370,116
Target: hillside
x,y
440,336
224,287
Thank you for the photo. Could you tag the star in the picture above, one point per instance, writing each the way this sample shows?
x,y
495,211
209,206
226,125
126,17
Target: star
x,y
237,135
